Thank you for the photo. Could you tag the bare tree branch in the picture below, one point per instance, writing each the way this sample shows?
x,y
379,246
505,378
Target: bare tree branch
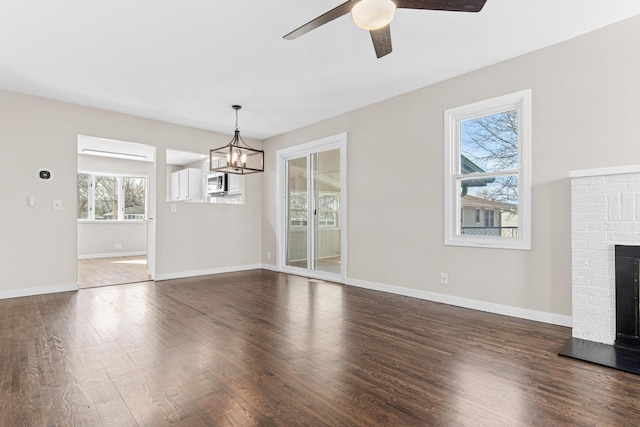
x,y
492,143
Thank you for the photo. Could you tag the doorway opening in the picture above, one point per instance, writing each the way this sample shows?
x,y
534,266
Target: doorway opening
x,y
115,206
312,209
94,272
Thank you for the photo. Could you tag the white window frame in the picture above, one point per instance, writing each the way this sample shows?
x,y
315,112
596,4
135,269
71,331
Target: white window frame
x,y
91,193
452,175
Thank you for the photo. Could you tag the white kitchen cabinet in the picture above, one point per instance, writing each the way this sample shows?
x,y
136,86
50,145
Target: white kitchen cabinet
x,y
186,185
234,184
175,185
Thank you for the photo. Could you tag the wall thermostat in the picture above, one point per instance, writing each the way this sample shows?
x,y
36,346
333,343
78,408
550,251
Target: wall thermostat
x,y
45,174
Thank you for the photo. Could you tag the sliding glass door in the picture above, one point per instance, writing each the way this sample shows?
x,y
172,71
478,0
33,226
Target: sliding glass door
x,y
298,213
312,232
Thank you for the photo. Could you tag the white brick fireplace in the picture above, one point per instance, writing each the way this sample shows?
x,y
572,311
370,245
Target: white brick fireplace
x,y
605,211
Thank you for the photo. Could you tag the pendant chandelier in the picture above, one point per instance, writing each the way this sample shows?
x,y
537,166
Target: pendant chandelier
x,y
236,157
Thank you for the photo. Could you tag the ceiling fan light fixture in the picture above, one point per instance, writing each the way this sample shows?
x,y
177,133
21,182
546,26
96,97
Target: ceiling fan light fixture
x,y
373,14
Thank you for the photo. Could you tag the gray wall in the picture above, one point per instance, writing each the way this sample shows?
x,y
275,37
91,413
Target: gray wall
x,y
39,249
586,99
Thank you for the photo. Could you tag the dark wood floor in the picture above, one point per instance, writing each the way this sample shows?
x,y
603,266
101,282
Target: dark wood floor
x,y
263,348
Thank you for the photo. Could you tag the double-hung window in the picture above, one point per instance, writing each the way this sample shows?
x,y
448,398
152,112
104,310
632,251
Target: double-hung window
x,y
111,197
488,173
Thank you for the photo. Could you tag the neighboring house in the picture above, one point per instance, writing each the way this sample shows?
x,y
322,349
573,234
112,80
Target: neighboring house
x,y
484,217
135,212
467,166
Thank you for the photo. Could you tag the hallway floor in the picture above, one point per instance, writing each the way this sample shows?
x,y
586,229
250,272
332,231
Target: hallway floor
x,y
112,271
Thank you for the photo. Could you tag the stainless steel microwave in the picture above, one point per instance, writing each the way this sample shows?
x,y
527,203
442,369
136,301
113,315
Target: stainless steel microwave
x,y
217,183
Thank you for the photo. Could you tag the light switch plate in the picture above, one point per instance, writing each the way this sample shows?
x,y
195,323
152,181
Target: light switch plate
x,y
57,205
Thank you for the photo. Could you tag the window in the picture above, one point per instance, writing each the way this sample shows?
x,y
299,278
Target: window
x,y
298,210
328,209
135,197
106,198
111,197
487,173
488,219
83,196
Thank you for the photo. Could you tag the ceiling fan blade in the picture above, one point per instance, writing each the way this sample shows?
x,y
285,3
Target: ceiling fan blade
x,y
334,13
381,41
450,5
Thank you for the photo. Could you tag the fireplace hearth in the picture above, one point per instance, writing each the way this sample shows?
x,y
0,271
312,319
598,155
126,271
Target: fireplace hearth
x,y
625,353
612,356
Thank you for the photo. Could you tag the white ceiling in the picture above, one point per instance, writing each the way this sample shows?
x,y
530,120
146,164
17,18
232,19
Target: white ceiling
x,y
188,62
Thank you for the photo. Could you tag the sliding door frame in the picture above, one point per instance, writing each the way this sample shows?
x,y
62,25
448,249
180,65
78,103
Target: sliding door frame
x,y
282,157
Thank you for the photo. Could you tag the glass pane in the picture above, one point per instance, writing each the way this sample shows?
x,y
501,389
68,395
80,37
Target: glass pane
x,y
297,213
83,196
106,205
489,143
489,207
328,251
134,198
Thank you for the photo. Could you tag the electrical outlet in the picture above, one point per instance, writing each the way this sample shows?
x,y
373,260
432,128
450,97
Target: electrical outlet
x,y
118,246
268,254
174,208
444,278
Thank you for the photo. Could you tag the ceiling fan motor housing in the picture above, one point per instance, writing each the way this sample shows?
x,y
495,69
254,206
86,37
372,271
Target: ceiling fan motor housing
x,y
373,14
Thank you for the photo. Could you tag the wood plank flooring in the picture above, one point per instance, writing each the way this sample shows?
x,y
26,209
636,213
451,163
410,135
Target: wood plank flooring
x,y
94,272
260,348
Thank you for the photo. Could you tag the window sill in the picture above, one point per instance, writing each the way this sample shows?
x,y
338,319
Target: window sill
x,y
489,243
320,228
97,221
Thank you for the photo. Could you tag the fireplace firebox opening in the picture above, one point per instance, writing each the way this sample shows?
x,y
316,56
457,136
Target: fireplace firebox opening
x,y
627,266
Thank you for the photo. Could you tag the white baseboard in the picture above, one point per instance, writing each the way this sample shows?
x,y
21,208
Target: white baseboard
x,y
205,272
40,290
112,255
489,307
506,310
523,313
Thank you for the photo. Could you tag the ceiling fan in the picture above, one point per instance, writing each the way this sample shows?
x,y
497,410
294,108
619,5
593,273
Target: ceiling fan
x,y
375,16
